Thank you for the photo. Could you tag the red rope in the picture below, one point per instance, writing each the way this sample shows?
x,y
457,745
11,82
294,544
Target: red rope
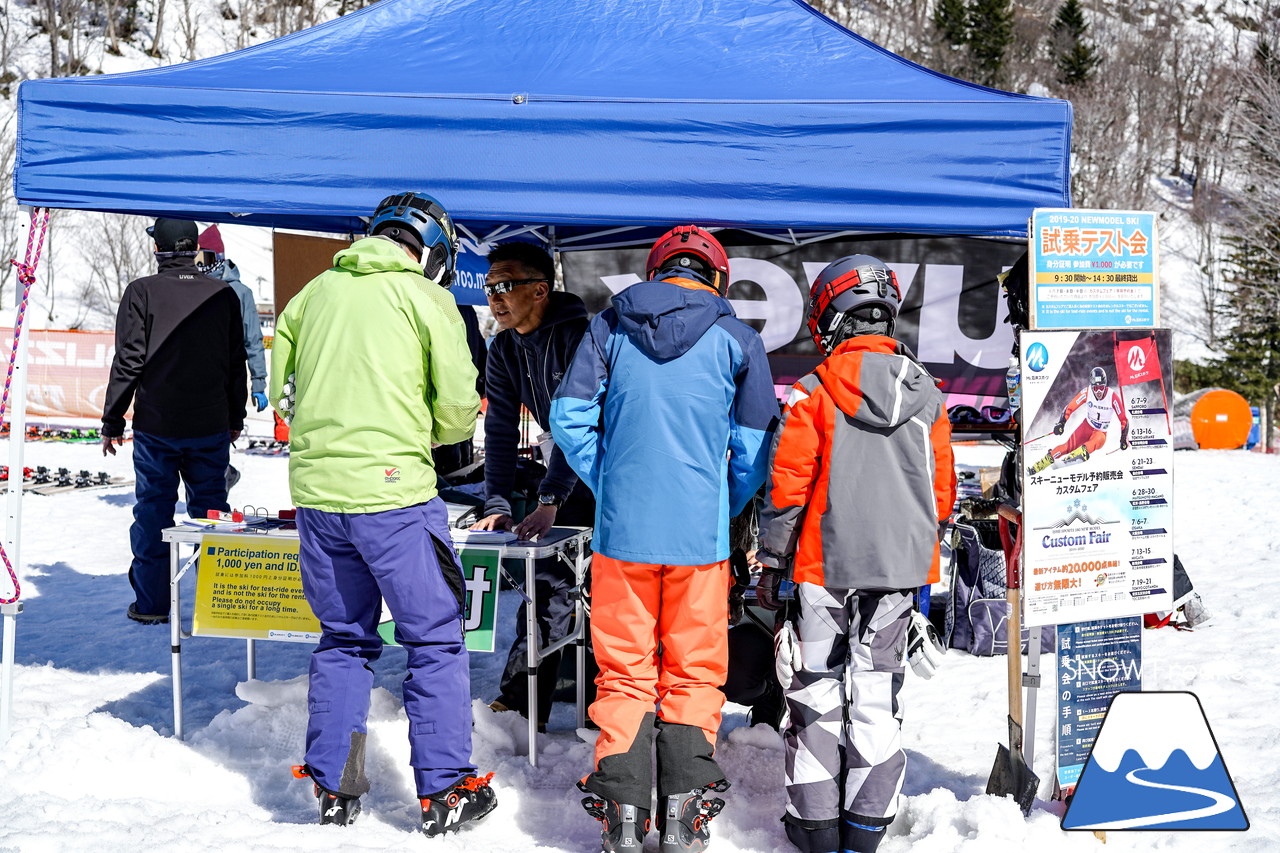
x,y
26,277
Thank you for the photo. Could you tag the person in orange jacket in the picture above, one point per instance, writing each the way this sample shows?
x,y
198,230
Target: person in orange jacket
x,y
862,481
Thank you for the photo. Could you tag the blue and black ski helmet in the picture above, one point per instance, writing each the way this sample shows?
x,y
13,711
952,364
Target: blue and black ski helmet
x,y
421,222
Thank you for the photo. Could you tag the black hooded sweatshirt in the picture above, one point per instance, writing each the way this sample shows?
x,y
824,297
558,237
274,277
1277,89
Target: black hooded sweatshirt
x,y
524,370
179,355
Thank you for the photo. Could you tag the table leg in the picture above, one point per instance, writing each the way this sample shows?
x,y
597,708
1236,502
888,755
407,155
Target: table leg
x,y
532,657
580,611
175,636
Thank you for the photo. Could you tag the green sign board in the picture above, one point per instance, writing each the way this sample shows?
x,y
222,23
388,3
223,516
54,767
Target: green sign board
x,y
480,574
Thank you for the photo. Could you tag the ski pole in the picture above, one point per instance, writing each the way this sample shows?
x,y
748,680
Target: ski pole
x,y
1037,438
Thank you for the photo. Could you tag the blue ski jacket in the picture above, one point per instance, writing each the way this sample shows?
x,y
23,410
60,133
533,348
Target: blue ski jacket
x,y
666,414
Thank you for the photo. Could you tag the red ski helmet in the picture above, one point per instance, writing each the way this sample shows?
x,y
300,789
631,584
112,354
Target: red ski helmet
x,y
847,285
692,241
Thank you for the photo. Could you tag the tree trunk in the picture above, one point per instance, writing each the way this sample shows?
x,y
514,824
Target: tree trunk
x,y
155,42
51,24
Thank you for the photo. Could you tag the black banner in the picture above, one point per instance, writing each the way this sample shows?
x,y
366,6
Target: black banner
x,y
953,315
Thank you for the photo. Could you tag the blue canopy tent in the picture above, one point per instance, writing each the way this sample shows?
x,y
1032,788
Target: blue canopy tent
x,y
591,123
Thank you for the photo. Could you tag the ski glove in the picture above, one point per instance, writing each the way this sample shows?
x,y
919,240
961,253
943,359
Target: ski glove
x,y
767,589
1124,439
286,402
786,653
1059,427
259,400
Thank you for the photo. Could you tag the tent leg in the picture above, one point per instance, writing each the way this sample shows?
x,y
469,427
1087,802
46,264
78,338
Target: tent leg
x,y
13,528
10,613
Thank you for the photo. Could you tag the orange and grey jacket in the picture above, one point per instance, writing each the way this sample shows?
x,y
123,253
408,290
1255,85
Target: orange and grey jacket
x,y
861,472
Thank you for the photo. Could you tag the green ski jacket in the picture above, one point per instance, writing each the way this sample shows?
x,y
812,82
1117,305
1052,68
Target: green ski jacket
x,y
382,372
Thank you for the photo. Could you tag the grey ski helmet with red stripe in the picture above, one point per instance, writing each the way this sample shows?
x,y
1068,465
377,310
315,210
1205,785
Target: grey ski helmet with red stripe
x,y
857,284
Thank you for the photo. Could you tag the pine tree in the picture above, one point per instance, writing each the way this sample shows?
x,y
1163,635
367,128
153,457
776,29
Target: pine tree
x,y
951,18
990,34
951,45
1075,58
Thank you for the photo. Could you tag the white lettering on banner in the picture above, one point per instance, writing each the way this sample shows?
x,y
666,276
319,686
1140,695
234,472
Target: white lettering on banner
x,y
477,586
64,354
49,396
784,304
940,314
46,353
468,279
782,308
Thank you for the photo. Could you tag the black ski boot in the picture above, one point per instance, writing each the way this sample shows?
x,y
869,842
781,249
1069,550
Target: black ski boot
x,y
464,802
334,808
683,818
622,827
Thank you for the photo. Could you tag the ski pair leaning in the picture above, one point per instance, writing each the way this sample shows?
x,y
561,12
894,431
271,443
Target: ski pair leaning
x,y
466,802
683,820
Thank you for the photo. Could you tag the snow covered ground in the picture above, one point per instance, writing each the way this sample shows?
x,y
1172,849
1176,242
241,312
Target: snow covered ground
x,y
91,764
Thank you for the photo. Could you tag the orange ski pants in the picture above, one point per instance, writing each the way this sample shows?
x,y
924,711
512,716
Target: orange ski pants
x,y
636,606
1084,434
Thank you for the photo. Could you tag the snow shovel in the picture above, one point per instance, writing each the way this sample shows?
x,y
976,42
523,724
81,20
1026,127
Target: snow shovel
x,y
1010,775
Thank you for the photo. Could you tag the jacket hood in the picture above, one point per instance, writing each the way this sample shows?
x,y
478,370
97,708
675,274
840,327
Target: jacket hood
x,y
375,254
562,307
664,319
226,270
877,381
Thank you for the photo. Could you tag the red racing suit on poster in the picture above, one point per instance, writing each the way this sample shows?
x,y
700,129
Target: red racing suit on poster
x,y
1091,434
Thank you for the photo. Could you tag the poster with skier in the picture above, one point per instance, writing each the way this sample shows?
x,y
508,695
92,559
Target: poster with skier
x,y
1098,475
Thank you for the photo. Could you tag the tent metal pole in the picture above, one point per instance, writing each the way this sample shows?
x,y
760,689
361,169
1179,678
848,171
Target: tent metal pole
x,y
13,526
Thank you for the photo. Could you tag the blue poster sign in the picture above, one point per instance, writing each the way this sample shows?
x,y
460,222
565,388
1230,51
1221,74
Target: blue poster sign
x,y
1096,661
1094,269
468,278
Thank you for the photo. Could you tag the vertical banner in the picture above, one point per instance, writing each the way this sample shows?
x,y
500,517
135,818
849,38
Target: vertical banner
x,y
1096,660
1098,476
1094,269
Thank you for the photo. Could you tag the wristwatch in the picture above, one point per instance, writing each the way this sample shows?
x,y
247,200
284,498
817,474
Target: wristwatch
x,y
550,500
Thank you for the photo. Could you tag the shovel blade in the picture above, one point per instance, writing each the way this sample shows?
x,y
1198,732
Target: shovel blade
x,y
1010,776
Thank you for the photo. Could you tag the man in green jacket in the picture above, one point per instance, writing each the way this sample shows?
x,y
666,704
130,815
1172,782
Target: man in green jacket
x,y
370,365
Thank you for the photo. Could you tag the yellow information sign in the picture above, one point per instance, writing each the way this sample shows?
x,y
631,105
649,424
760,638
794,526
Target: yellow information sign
x,y
249,587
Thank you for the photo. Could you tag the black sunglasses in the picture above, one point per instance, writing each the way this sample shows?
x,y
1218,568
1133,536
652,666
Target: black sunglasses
x,y
507,286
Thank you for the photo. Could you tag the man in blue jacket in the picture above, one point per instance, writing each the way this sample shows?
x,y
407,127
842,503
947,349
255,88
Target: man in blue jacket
x,y
665,413
541,329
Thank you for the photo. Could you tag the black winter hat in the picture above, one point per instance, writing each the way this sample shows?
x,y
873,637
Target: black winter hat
x,y
167,233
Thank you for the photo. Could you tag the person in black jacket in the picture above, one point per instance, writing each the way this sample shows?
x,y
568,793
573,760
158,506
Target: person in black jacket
x,y
541,329
180,361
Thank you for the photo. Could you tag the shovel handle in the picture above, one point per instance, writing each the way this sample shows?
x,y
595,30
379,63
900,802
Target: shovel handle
x,y
1013,594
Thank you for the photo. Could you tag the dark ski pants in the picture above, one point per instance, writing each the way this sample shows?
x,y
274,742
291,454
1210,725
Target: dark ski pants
x,y
158,463
350,562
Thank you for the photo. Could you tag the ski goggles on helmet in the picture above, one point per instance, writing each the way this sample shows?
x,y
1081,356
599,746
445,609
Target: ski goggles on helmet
x,y
499,287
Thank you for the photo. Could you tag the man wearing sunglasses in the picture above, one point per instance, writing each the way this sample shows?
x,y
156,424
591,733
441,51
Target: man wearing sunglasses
x,y
540,331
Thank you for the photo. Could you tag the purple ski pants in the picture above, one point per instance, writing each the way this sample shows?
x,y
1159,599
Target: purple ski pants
x,y
350,562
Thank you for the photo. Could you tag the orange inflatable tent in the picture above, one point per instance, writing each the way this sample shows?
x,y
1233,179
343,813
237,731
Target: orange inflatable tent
x,y
1220,420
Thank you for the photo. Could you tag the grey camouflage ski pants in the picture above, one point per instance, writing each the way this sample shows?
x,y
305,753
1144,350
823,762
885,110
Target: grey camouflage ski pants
x,y
844,742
